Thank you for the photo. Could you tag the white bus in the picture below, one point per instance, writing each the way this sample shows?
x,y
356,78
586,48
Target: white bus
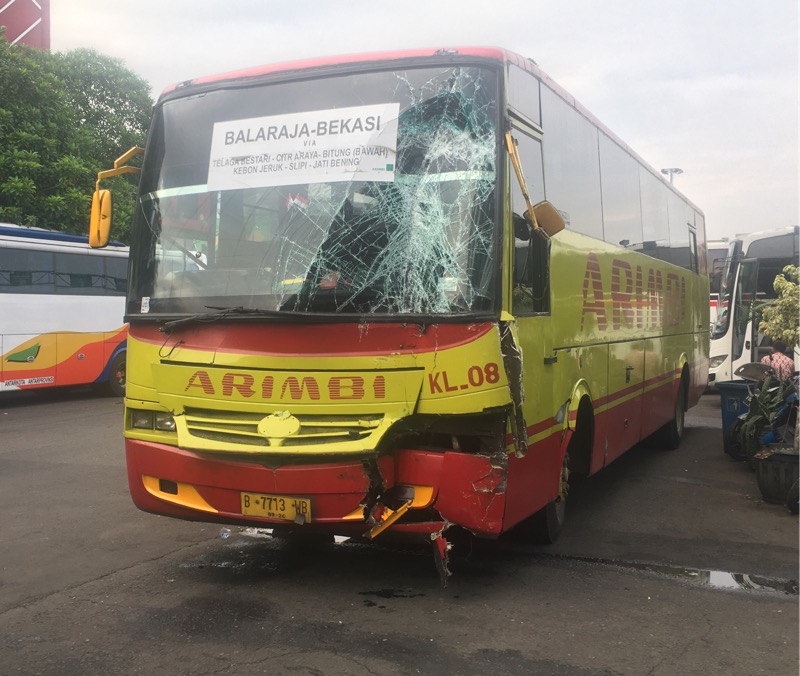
x,y
61,311
752,263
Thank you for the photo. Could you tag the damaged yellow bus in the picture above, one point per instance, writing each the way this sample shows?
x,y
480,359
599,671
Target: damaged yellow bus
x,y
399,292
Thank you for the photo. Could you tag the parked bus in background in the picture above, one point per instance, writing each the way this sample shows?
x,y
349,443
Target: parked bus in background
x,y
385,332
61,310
716,254
752,263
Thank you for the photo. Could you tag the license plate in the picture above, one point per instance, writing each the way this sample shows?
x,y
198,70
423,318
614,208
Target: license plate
x,y
283,507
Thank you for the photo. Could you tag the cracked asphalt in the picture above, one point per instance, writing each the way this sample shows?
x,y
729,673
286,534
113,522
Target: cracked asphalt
x,y
670,564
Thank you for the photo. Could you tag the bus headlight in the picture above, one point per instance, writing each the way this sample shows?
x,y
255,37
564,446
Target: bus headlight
x,y
152,420
714,362
141,420
165,422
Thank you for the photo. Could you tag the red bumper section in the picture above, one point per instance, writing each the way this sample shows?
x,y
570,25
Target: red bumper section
x,y
467,490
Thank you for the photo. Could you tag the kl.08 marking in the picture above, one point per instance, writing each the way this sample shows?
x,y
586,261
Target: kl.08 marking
x,y
477,376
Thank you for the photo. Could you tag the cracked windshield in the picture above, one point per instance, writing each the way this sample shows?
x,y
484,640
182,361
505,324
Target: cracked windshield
x,y
364,194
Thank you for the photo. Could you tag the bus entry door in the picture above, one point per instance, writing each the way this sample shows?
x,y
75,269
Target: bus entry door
x,y
743,336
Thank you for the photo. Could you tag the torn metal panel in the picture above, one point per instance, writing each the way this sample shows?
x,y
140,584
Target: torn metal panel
x,y
512,361
382,517
377,487
496,479
472,493
393,505
441,553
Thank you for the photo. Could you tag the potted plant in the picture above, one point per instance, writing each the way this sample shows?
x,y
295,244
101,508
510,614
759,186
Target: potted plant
x,y
766,402
777,463
768,432
767,435
777,475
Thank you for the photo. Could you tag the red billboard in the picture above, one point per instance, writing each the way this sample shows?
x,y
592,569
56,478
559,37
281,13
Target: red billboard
x,y
26,22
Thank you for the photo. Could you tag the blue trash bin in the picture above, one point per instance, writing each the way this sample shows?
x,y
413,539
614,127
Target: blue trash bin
x,y
733,403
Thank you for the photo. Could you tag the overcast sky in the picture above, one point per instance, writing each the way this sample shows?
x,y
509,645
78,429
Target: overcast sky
x,y
710,86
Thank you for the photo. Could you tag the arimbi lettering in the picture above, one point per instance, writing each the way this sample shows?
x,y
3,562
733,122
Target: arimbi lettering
x,y
288,388
641,298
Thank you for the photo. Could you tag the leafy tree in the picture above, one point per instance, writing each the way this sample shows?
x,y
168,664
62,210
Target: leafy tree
x,y
111,102
781,317
63,118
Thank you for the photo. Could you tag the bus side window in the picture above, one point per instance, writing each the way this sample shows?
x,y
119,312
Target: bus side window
x,y
694,263
531,290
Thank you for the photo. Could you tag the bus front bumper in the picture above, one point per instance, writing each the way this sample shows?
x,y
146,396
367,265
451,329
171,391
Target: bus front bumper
x,y
408,491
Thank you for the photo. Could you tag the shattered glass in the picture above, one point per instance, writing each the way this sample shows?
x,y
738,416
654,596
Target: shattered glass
x,y
420,242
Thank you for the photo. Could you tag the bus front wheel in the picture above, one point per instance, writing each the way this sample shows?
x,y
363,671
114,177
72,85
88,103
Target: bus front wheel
x,y
546,524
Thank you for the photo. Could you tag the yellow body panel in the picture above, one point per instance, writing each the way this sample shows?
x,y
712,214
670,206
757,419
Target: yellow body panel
x,y
222,400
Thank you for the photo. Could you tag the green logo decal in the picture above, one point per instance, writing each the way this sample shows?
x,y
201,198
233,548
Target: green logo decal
x,y
28,355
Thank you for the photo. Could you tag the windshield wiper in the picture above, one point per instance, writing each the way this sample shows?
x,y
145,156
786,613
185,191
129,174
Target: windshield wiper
x,y
221,313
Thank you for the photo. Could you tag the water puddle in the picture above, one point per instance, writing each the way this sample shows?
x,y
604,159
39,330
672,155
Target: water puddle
x,y
716,579
265,533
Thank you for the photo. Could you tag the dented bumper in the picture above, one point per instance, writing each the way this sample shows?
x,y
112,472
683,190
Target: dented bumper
x,y
345,497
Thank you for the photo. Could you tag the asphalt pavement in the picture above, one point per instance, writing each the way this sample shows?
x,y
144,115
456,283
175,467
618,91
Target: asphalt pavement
x,y
670,563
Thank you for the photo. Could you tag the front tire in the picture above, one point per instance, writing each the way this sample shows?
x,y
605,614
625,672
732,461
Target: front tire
x,y
546,525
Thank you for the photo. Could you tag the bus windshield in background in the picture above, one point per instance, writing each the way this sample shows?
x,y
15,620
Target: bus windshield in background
x,y
727,283
742,307
717,258
364,193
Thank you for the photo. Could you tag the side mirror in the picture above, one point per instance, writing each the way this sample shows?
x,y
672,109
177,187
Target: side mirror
x,y
100,219
548,218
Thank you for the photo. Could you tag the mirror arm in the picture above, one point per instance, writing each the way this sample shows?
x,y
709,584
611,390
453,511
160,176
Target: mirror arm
x,y
530,214
120,166
101,199
129,154
116,172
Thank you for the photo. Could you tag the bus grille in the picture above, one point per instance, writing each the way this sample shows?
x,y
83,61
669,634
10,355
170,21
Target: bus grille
x,y
237,427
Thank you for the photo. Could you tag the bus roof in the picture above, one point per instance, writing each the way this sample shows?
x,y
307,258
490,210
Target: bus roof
x,y
749,238
494,53
373,58
41,235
